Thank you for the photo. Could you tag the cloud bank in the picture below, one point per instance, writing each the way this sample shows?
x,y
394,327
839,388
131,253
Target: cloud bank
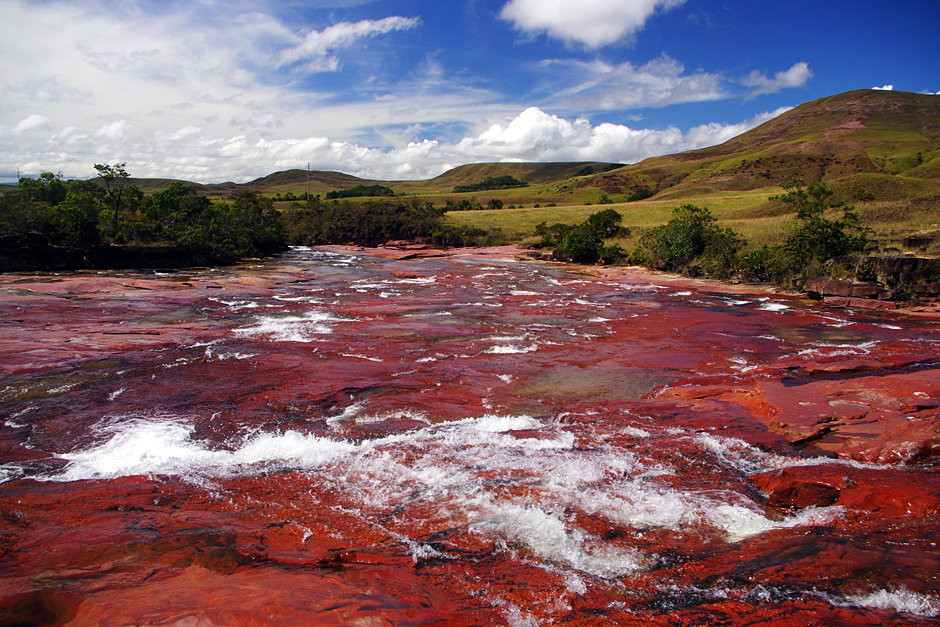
x,y
192,154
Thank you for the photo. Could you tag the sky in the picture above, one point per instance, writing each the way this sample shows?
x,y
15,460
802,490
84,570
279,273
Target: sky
x,y
231,90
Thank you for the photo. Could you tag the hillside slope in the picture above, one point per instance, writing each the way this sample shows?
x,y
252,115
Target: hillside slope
x,y
863,131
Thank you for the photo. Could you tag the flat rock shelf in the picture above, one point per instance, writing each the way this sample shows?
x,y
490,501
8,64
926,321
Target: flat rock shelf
x,y
340,437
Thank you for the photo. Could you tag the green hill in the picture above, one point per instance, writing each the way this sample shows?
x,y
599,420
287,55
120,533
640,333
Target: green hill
x,y
324,181
864,131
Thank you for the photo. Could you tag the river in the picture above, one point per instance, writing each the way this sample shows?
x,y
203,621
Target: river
x,y
336,437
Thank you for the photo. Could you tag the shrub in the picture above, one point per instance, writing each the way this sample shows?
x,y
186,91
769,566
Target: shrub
x,y
493,182
360,190
691,242
584,243
814,238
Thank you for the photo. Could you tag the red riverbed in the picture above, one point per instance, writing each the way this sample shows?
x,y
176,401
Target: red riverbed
x,y
337,437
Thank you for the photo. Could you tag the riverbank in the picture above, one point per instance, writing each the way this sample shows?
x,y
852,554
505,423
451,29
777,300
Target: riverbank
x,y
22,255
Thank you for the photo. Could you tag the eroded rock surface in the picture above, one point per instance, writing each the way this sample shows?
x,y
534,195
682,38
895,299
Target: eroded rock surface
x,y
342,437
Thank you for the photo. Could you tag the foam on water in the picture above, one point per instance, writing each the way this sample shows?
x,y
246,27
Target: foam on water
x,y
300,328
900,600
165,447
469,471
357,356
509,349
834,350
774,307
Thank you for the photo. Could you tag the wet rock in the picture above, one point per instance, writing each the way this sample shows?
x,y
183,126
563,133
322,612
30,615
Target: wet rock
x,y
340,437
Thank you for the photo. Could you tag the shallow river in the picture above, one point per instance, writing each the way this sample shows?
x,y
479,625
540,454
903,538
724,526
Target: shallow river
x,y
337,437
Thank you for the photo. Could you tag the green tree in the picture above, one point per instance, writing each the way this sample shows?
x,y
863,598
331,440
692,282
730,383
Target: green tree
x,y
76,219
691,242
584,243
606,224
114,179
48,188
815,237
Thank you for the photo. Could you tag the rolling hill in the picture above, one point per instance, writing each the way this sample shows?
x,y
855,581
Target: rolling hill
x,y
867,132
324,181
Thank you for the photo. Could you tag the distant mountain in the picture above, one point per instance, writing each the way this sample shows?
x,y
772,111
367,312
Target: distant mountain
x,y
857,132
323,181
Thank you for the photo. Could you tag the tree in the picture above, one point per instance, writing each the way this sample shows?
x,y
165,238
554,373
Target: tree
x,y
815,238
584,243
606,224
76,220
48,188
114,178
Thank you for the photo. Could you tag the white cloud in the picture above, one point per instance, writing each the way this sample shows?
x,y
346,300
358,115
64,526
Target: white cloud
x,y
593,23
795,76
532,135
659,82
316,47
884,88
35,121
114,131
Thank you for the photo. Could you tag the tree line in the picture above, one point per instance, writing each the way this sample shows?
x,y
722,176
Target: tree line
x,y
109,210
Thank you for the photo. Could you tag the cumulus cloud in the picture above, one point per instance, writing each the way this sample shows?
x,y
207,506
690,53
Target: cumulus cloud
x,y
317,46
795,76
190,153
535,135
592,23
884,88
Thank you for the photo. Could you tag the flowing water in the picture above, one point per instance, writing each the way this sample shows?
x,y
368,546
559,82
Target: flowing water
x,y
334,437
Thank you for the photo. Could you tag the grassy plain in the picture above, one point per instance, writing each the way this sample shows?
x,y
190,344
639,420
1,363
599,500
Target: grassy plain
x,y
750,213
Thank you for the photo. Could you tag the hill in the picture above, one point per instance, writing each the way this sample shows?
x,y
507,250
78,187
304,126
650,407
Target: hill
x,y
858,132
322,181
532,173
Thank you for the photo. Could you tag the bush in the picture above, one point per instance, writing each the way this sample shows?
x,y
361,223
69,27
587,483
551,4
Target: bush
x,y
578,246
691,242
639,194
584,243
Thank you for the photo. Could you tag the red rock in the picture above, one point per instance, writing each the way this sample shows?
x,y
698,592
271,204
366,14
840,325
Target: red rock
x,y
680,426
861,303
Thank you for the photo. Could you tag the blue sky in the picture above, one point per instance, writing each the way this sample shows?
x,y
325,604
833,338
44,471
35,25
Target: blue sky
x,y
214,90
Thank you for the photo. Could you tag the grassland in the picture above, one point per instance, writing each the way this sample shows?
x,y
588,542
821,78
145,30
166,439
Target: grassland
x,y
901,209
